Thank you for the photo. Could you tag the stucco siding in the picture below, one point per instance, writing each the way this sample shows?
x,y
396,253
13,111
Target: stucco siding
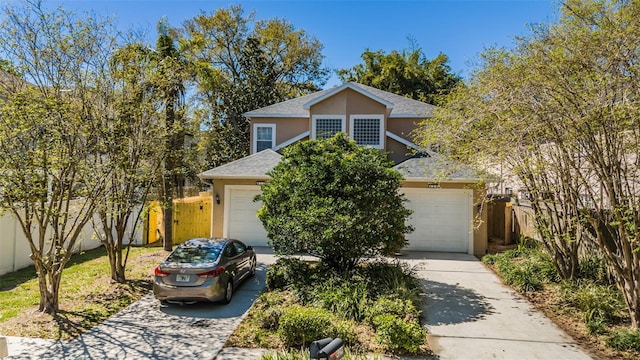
x,y
397,152
286,128
403,127
348,102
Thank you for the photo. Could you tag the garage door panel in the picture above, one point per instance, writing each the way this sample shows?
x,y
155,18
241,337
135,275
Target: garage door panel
x,y
241,216
441,219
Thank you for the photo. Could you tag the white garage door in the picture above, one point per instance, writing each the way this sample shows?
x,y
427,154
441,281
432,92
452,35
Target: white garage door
x,y
441,219
240,214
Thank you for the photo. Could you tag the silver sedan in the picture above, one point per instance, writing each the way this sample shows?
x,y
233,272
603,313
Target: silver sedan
x,y
204,270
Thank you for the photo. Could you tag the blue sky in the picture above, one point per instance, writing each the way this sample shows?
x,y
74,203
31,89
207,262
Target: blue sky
x,y
459,28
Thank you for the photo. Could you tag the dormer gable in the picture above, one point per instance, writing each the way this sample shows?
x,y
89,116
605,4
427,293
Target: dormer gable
x,y
370,116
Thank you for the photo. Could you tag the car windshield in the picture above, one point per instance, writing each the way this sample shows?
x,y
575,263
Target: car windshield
x,y
194,255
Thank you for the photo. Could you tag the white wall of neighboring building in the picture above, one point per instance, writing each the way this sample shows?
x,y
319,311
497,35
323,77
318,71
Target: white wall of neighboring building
x,y
15,250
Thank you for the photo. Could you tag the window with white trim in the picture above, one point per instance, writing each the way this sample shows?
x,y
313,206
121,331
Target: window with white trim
x,y
264,137
368,130
326,126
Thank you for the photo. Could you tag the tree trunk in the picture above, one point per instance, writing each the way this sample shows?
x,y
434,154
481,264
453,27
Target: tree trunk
x,y
167,210
631,296
49,286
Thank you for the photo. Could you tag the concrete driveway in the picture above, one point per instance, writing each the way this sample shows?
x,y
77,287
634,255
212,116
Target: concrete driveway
x,y
470,314
146,330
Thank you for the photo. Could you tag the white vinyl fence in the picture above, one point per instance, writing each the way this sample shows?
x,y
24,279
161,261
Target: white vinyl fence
x,y
15,250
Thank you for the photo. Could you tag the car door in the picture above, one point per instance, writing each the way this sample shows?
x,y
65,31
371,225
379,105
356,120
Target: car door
x,y
244,262
231,266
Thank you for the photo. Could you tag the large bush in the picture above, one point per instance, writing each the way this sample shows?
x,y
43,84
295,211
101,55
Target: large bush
x,y
335,200
299,326
397,334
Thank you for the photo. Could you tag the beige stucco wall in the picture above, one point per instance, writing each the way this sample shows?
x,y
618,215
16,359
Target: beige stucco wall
x,y
397,151
348,102
286,128
403,127
480,238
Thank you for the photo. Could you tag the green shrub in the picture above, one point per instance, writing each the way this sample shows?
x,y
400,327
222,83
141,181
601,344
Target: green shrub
x,y
345,330
543,264
523,275
288,273
519,252
270,318
396,279
346,299
525,268
593,300
490,258
403,309
625,340
593,268
395,333
597,327
299,325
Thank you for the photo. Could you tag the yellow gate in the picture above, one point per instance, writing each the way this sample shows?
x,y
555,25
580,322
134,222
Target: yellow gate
x,y
191,218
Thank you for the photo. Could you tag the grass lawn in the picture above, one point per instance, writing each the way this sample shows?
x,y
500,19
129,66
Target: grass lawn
x,y
87,294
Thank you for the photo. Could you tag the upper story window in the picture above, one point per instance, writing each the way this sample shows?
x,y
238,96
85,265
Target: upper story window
x,y
264,137
368,130
326,126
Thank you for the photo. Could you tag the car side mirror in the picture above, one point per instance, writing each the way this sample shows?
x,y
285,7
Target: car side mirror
x,y
249,247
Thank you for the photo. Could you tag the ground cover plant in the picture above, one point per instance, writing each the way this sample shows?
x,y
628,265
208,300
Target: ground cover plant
x,y
88,295
375,308
590,308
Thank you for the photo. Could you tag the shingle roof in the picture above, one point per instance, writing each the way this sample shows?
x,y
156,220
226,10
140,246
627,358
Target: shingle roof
x,y
401,106
254,166
436,167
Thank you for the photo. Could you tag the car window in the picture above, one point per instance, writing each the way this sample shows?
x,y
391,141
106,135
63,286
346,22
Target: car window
x,y
194,255
240,247
230,251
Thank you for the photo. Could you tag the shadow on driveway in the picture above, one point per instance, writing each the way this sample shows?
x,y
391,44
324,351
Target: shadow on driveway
x,y
448,304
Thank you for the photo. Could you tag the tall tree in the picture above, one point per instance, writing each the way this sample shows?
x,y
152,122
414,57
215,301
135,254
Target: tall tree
x,y
562,111
408,73
169,75
50,177
243,65
131,146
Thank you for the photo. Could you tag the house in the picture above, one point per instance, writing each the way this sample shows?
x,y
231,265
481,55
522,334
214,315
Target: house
x,y
445,197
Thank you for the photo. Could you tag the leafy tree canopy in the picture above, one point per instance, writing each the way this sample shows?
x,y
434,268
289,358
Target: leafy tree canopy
x,y
242,65
408,73
335,200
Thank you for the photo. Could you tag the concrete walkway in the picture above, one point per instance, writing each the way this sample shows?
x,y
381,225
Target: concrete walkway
x,y
470,314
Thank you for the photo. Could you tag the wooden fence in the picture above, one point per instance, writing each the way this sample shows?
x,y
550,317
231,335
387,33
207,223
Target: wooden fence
x,y
191,218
